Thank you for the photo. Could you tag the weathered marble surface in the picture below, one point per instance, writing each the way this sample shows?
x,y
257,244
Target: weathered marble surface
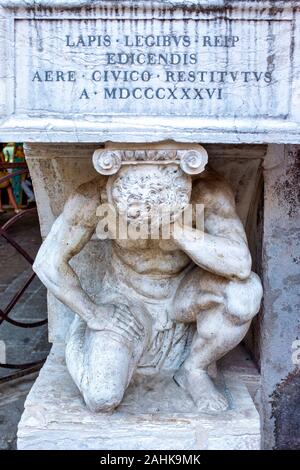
x,y
174,299
53,63
279,337
58,169
155,414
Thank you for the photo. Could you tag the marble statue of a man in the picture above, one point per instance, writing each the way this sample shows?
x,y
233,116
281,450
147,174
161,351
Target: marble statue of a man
x,y
176,304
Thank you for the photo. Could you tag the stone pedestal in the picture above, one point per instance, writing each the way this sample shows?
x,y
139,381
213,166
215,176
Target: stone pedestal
x,y
155,414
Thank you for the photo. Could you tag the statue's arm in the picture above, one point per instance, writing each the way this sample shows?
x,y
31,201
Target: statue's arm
x,y
68,235
222,247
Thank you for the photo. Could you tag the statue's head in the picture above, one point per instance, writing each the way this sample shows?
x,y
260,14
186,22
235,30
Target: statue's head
x,y
150,184
149,192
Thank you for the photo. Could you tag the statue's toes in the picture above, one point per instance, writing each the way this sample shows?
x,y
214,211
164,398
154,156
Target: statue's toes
x,y
220,404
212,404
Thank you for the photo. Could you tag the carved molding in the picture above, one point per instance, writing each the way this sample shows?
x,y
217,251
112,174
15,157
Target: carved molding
x,y
191,161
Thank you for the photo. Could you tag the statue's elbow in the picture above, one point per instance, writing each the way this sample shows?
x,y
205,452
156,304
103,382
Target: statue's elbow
x,y
42,266
39,267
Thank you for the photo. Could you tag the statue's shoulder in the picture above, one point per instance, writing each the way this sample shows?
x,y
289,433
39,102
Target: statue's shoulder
x,y
81,206
92,188
211,189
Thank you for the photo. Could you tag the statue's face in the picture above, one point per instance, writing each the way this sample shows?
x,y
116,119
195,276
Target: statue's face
x,y
155,192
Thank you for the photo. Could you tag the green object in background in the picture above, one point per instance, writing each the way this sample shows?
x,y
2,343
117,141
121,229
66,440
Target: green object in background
x,y
8,152
13,153
16,182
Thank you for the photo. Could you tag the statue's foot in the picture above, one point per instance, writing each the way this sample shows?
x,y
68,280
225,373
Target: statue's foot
x,y
202,390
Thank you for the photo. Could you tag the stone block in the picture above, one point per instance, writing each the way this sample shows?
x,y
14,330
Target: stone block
x,y
155,414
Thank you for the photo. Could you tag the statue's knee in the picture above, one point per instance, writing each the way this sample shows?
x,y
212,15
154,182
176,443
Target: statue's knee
x,y
243,298
102,400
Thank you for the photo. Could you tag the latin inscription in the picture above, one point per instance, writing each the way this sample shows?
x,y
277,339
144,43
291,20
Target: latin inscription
x,y
202,84
149,67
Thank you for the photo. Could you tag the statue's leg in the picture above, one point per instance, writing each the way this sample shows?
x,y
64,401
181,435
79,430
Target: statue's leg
x,y
101,364
75,341
223,310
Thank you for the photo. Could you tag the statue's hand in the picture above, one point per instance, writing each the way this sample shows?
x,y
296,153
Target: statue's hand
x,y
116,318
169,243
176,230
184,234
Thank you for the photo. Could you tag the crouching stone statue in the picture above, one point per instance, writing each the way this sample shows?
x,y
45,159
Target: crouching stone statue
x,y
177,302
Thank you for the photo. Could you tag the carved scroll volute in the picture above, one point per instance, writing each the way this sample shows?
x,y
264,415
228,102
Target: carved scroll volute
x,y
107,162
193,161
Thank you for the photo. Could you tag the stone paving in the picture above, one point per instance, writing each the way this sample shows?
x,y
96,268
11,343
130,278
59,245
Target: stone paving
x,y
21,344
